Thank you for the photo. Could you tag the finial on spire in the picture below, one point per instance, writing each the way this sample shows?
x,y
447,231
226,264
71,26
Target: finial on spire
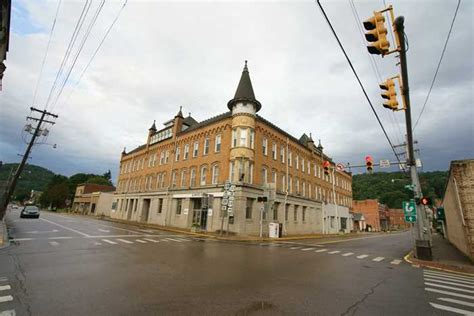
x,y
189,113
319,144
153,126
180,113
245,67
310,136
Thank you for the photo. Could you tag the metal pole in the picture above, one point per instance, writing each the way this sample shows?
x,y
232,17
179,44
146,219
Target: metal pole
x,y
261,221
423,242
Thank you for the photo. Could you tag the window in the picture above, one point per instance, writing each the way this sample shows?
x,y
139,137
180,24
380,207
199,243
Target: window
x,y
304,213
215,174
309,190
276,206
203,175
243,137
289,158
264,176
251,173
234,138
297,184
150,160
163,178
274,176
287,211
167,156
206,146
178,151
217,146
179,205
283,183
274,151
252,138
160,206
297,162
309,168
248,208
290,184
264,146
304,189
295,213
195,149
186,151
183,178
192,177
302,164
162,158
282,154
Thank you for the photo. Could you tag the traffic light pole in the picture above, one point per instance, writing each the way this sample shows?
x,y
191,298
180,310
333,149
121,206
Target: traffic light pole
x,y
423,232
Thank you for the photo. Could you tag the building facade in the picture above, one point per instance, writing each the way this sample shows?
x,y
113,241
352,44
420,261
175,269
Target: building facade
x,y
458,205
373,212
164,180
93,199
397,219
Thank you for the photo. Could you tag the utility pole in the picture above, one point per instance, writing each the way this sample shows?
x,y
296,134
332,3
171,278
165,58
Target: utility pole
x,y
12,184
423,232
334,197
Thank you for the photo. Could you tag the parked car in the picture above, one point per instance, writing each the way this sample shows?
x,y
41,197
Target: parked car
x,y
30,211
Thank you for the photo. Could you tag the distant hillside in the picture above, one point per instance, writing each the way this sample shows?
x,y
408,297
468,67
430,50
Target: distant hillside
x,y
380,186
32,178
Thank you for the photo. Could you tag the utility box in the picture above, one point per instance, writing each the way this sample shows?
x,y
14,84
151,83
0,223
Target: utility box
x,y
274,230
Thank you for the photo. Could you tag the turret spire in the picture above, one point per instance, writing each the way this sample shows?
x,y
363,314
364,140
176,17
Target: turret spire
x,y
244,91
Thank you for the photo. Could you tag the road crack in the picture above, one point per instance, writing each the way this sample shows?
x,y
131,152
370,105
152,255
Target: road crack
x,y
20,277
356,304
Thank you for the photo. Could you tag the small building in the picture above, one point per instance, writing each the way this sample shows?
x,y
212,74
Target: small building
x,y
373,212
359,224
459,206
93,199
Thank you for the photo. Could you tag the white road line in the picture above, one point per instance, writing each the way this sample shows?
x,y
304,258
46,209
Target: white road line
x,y
450,283
378,259
452,300
67,228
447,279
449,293
125,241
140,241
347,254
190,240
294,248
449,287
54,243
362,256
321,250
5,287
396,261
22,239
171,239
7,298
152,240
333,252
64,237
109,241
452,309
451,275
103,230
10,312
306,249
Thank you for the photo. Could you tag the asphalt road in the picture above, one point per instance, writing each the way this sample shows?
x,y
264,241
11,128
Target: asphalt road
x,y
71,265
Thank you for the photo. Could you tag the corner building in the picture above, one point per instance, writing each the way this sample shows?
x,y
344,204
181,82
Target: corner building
x,y
163,181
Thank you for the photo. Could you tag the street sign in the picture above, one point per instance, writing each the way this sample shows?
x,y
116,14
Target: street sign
x,y
225,201
232,188
409,210
385,163
410,219
230,203
224,208
340,167
418,163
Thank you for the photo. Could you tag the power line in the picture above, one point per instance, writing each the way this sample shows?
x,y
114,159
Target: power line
x,y
439,64
46,54
358,79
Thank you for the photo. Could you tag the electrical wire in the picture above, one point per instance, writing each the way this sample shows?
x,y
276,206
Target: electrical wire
x,y
358,80
46,54
439,64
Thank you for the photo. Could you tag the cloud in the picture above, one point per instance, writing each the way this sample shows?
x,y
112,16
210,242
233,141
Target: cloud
x,y
162,55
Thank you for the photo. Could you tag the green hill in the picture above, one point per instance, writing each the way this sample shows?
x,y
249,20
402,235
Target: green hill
x,y
389,187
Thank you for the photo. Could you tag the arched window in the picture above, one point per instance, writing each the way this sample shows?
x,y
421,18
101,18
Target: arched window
x,y
264,176
215,174
203,175
183,178
192,177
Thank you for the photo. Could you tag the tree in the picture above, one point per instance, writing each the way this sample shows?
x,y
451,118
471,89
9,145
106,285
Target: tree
x,y
99,180
108,175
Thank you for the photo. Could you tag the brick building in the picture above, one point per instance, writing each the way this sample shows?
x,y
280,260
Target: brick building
x,y
374,212
397,219
93,199
163,180
458,205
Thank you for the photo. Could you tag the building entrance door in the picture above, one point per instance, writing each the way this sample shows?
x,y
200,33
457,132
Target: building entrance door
x,y
199,214
145,210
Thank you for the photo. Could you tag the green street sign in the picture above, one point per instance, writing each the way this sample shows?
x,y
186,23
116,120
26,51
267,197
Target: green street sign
x,y
409,210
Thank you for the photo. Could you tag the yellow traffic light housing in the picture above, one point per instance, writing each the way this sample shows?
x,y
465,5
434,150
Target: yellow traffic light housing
x,y
377,35
390,94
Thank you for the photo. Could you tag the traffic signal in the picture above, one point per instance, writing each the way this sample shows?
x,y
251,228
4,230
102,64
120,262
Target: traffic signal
x,y
326,165
377,35
425,201
390,94
369,163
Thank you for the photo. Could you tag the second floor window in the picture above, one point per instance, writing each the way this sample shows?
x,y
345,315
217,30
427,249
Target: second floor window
x,y
183,178
195,149
178,152
206,146
186,151
215,174
274,151
217,147
265,146
192,178
203,175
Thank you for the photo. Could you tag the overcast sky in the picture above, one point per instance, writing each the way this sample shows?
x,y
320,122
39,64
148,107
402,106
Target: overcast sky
x,y
162,55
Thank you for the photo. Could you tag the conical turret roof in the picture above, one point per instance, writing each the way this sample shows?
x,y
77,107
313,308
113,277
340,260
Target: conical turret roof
x,y
244,90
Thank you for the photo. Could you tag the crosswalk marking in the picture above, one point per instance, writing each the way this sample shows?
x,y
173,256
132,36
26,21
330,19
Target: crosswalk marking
x,y
321,250
333,252
448,282
109,241
396,261
6,298
306,249
451,309
378,259
172,239
452,300
449,287
125,241
448,276
182,239
447,279
294,248
140,241
362,256
5,287
54,243
348,254
452,275
152,240
449,293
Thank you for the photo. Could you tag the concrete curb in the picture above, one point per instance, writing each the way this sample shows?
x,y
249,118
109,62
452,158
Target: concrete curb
x,y
436,265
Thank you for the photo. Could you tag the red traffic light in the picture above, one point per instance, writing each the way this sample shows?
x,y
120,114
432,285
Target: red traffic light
x,y
368,158
326,164
425,201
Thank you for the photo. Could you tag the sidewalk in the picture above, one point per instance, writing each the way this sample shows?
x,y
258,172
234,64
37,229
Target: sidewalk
x,y
445,257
